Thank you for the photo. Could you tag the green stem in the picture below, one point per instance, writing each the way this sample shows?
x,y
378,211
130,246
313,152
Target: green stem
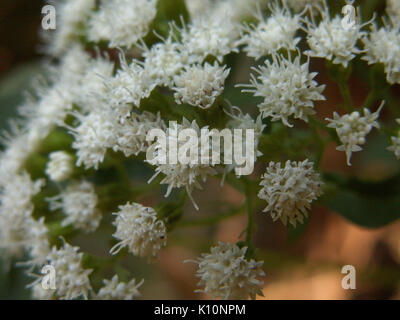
x,y
370,99
211,220
319,140
348,103
341,75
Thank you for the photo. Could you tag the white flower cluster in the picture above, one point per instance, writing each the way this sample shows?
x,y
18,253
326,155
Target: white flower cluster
x,y
129,86
244,121
60,166
43,114
121,22
17,226
104,101
200,85
287,87
71,14
289,190
72,280
210,34
133,131
395,147
178,175
226,273
164,60
393,8
78,202
139,229
115,290
94,135
382,46
271,34
235,10
353,128
331,41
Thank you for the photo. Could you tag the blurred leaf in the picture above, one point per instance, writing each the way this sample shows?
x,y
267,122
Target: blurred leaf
x,y
367,204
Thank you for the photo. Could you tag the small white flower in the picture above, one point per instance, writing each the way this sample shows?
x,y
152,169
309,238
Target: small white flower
x,y
93,83
178,175
51,108
139,229
245,121
72,280
129,86
287,87
78,202
164,60
210,35
70,15
271,34
122,22
395,147
199,85
60,166
393,8
382,46
290,190
132,132
16,195
16,208
234,10
226,273
18,148
331,41
37,243
95,134
115,290
51,103
353,128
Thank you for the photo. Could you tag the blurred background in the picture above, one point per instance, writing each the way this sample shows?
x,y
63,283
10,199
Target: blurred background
x,y
305,264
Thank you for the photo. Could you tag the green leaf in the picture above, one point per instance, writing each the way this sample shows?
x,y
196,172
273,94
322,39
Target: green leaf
x,y
367,204
167,11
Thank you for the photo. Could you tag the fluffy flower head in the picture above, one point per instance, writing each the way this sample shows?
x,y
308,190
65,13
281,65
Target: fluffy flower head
x,y
115,290
139,229
226,273
122,22
289,190
382,46
330,40
353,128
395,147
60,166
271,34
287,87
199,85
178,174
78,201
72,280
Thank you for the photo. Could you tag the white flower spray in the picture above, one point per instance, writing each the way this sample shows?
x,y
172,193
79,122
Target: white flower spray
x,y
287,87
353,128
